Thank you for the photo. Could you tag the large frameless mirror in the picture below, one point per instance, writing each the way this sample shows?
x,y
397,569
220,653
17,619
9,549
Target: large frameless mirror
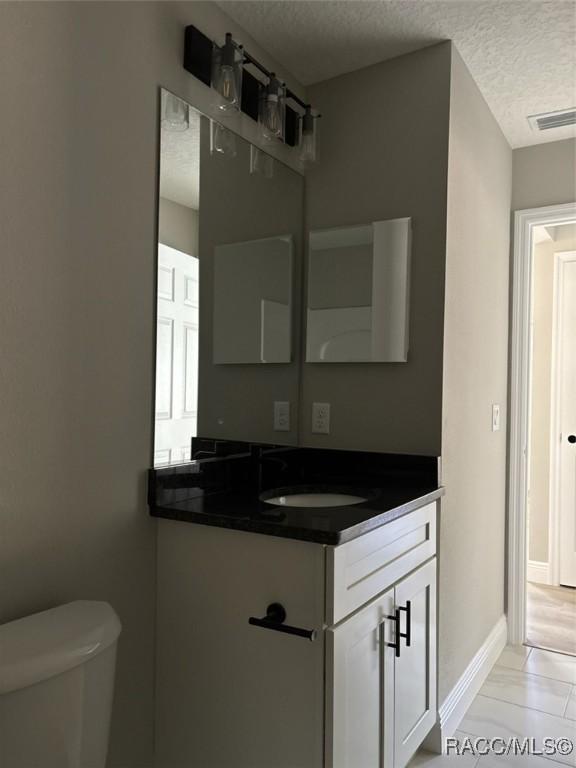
x,y
229,265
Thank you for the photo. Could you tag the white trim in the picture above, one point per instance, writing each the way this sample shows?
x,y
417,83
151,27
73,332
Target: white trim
x,y
537,572
524,222
456,704
554,526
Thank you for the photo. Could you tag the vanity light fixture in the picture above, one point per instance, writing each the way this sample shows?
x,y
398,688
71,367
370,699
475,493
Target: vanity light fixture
x,y
227,68
244,84
174,113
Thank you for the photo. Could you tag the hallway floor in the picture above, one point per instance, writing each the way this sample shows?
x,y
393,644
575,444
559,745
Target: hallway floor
x,y
529,693
551,617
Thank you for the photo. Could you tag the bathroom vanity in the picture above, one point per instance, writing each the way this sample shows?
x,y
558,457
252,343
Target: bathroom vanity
x,y
289,635
294,637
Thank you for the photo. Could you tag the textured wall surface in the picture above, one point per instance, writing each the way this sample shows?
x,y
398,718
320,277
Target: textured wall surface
x,y
375,166
544,175
475,376
78,141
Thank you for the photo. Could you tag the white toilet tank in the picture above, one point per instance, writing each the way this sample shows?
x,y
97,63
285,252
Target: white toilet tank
x,y
56,686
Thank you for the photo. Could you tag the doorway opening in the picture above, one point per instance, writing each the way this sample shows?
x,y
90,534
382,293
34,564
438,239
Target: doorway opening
x,y
542,516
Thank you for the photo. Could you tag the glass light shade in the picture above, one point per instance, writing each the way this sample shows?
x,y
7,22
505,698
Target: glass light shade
x,y
227,67
308,154
261,163
174,113
222,141
272,109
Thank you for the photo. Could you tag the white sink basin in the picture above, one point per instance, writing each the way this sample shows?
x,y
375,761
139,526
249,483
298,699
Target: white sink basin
x,y
315,500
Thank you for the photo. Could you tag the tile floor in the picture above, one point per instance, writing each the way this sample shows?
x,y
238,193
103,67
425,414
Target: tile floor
x,y
530,692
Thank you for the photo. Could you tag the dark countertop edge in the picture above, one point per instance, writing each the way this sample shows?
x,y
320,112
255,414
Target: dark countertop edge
x,y
386,517
272,528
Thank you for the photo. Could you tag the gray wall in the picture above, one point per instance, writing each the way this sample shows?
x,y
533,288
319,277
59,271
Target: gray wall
x,y
544,174
178,226
78,141
475,376
384,154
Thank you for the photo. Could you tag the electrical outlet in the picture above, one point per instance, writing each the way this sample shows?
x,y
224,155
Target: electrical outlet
x,y
281,416
321,418
495,417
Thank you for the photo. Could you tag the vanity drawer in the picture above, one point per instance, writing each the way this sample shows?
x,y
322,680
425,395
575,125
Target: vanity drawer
x,y
362,568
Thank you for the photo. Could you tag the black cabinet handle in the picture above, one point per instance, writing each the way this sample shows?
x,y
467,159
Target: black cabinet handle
x,y
572,438
397,634
275,618
408,634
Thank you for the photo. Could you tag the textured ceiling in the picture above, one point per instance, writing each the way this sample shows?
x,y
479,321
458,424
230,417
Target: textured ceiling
x,y
522,53
180,163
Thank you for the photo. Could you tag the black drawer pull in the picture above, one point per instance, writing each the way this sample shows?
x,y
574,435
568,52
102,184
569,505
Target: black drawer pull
x,y
275,618
397,635
408,634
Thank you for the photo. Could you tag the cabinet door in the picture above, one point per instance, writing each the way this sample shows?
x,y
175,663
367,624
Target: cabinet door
x,y
360,688
415,668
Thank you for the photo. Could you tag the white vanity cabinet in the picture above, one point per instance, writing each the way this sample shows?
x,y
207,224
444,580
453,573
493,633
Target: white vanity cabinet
x,y
234,695
381,660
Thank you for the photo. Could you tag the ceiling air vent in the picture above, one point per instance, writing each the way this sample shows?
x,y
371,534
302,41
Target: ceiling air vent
x,y
548,120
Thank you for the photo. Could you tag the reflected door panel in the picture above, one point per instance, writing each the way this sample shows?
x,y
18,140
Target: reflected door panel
x,y
176,356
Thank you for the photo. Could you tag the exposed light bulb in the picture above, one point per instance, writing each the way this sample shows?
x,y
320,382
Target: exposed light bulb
x,y
272,109
228,86
227,74
175,113
222,141
261,163
308,137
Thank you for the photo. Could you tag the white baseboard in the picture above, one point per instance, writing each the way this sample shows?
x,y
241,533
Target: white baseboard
x,y
538,572
455,705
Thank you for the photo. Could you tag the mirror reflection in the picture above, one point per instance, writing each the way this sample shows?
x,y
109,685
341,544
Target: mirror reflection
x,y
229,264
358,291
252,301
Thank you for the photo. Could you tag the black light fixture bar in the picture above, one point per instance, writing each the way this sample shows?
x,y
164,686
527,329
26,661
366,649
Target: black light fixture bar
x,y
198,51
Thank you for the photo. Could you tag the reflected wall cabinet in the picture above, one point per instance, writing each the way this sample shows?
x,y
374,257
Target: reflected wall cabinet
x,y
358,293
234,695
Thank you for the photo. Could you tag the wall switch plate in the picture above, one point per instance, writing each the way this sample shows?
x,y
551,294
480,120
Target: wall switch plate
x,y
281,416
495,418
321,418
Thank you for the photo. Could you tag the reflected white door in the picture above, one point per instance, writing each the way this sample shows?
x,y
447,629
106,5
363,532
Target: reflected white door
x,y
566,394
176,355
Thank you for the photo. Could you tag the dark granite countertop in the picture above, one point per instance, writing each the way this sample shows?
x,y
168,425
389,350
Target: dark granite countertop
x,y
227,493
326,525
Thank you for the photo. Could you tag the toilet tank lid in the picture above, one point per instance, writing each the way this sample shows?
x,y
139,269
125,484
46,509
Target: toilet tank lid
x,y
45,644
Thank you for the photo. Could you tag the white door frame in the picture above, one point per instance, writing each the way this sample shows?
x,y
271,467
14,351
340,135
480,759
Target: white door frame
x,y
560,258
520,364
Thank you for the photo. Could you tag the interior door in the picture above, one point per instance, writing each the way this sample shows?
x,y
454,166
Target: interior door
x,y
176,355
566,393
415,668
360,688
